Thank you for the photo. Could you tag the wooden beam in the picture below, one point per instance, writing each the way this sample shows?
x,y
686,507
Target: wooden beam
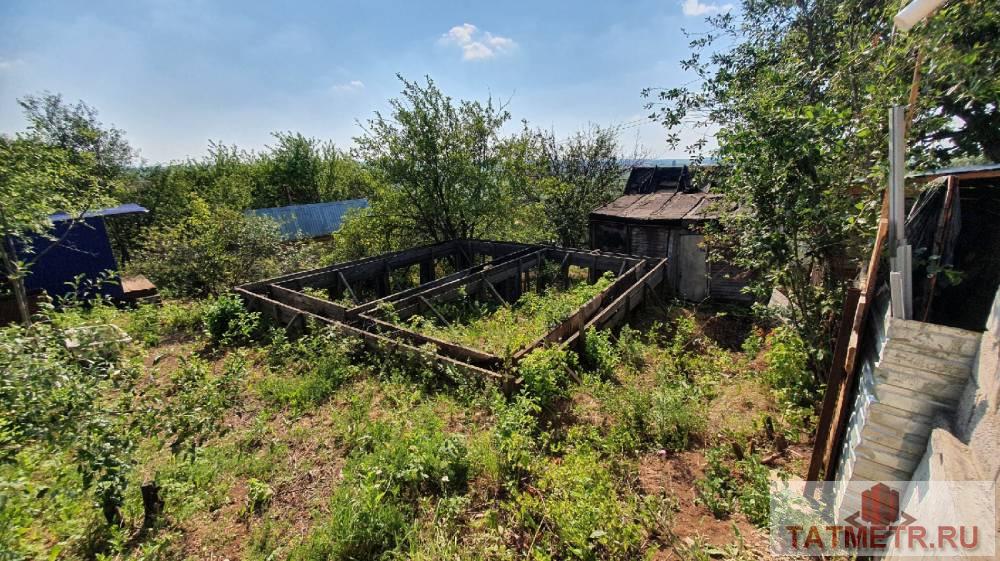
x,y
495,292
834,384
347,287
493,274
612,314
458,275
454,350
564,271
311,304
841,409
436,312
373,341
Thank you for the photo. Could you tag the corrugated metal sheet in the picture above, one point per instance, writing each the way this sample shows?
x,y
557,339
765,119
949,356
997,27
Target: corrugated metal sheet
x,y
129,208
298,222
983,169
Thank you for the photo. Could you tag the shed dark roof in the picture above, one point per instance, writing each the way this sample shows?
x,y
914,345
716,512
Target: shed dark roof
x,y
983,170
661,206
129,208
652,179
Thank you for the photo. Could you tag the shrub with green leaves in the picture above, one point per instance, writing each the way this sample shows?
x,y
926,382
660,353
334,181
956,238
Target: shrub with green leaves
x,y
729,484
209,251
668,417
306,372
600,355
545,374
259,495
66,436
514,436
228,322
393,465
787,362
198,398
579,512
364,522
787,371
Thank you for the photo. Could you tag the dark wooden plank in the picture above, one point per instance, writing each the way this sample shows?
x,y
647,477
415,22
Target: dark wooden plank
x,y
464,273
582,315
311,304
493,274
373,341
453,350
612,314
841,410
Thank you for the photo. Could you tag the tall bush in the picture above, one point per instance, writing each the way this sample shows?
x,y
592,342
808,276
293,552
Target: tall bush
x,y
210,251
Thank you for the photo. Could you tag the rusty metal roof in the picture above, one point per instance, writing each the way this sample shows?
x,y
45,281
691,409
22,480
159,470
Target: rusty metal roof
x,y
662,206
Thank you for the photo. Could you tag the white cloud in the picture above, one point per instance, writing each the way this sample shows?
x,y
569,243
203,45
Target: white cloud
x,y
477,44
352,86
699,8
8,63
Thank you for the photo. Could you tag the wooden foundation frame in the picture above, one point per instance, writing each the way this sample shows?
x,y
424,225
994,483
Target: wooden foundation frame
x,y
491,269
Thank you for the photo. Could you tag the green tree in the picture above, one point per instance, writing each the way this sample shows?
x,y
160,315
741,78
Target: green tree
x,y
579,174
36,180
800,92
210,251
443,165
76,129
67,161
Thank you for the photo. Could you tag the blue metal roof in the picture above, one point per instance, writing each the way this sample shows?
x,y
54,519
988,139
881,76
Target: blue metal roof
x,y
299,222
129,208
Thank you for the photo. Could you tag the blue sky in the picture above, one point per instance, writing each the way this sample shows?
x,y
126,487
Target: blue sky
x,y
176,73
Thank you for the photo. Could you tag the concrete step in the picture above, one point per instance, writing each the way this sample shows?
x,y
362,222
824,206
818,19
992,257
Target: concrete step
x,y
867,470
933,337
892,418
888,457
908,444
912,401
904,372
900,355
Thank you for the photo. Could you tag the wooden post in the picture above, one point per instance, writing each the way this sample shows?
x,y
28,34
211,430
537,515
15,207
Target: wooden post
x,y
382,281
517,283
564,271
427,270
539,278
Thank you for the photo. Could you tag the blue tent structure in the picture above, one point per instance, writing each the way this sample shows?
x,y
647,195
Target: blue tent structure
x,y
83,248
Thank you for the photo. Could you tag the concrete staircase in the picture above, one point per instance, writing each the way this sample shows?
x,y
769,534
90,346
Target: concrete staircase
x,y
912,374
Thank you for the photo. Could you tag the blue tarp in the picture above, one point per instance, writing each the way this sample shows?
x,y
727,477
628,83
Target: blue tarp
x,y
299,222
83,248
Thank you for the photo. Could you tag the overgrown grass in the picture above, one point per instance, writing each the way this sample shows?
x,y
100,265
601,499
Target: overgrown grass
x,y
409,467
393,465
506,329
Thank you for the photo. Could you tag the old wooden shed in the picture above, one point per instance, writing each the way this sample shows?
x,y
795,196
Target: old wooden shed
x,y
659,215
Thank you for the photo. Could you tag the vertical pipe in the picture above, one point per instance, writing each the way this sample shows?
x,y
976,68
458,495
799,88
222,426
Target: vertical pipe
x,y
897,175
897,213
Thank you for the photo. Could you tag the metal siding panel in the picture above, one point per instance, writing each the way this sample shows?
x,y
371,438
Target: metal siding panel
x,y
298,222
